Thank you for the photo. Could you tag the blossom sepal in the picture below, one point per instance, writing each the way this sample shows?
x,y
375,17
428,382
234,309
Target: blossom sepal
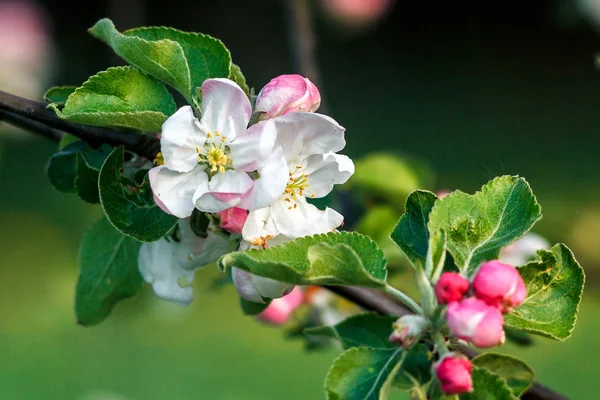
x,y
408,329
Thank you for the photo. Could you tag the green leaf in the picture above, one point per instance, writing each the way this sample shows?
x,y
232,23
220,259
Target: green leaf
x,y
251,308
206,56
436,255
199,222
368,329
554,288
488,386
129,207
416,368
66,140
478,226
58,94
517,375
108,272
344,258
121,97
239,78
411,233
62,167
88,171
361,373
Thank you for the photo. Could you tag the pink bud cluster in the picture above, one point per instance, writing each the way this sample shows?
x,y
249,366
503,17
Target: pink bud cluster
x,y
496,289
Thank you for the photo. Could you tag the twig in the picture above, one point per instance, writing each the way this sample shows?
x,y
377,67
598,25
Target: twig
x,y
30,125
29,114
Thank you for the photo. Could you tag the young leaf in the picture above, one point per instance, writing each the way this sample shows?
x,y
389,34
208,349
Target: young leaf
x,y
62,167
88,171
488,386
517,375
554,288
344,258
416,368
108,272
411,233
436,255
362,373
206,56
162,59
59,94
368,329
129,207
239,78
121,97
478,226
66,140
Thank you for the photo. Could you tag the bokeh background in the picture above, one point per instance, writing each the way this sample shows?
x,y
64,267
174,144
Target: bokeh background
x,y
469,89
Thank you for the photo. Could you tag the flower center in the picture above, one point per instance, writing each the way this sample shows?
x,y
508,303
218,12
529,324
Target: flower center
x,y
215,153
297,183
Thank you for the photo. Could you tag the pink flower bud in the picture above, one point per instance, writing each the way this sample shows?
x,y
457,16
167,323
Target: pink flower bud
x,y
233,219
451,287
499,285
408,329
280,310
454,374
473,320
287,93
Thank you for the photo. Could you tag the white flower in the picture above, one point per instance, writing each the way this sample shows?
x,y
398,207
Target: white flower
x,y
309,142
167,264
207,162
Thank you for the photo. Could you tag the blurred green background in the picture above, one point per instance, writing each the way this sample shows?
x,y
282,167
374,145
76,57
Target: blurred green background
x,y
472,89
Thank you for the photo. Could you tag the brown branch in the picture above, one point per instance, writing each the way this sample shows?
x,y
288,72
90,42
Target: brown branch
x,y
35,117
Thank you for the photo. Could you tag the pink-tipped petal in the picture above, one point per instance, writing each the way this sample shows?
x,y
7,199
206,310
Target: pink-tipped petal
x,y
174,191
225,108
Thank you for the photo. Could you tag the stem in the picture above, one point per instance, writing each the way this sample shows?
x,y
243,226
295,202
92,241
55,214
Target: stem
x,y
426,293
403,297
440,344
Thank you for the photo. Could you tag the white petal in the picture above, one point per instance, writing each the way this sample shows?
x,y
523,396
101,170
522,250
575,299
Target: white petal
x,y
224,190
259,224
244,285
179,139
303,134
270,185
225,108
250,150
194,252
159,268
175,189
326,170
304,220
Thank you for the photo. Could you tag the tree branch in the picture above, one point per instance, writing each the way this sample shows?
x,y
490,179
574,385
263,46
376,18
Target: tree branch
x,y
34,116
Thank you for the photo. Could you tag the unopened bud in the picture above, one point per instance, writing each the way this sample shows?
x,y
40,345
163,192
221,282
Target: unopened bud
x,y
280,310
233,219
454,374
288,93
408,329
474,321
499,285
255,288
451,287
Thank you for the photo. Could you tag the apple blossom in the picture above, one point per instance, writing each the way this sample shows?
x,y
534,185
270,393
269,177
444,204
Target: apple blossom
x,y
233,219
451,287
287,93
207,162
499,285
280,310
309,142
408,328
166,263
454,373
474,321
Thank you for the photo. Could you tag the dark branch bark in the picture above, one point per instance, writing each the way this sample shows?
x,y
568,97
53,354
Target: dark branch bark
x,y
33,115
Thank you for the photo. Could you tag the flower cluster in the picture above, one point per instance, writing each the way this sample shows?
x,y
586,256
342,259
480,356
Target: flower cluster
x,y
251,171
496,289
